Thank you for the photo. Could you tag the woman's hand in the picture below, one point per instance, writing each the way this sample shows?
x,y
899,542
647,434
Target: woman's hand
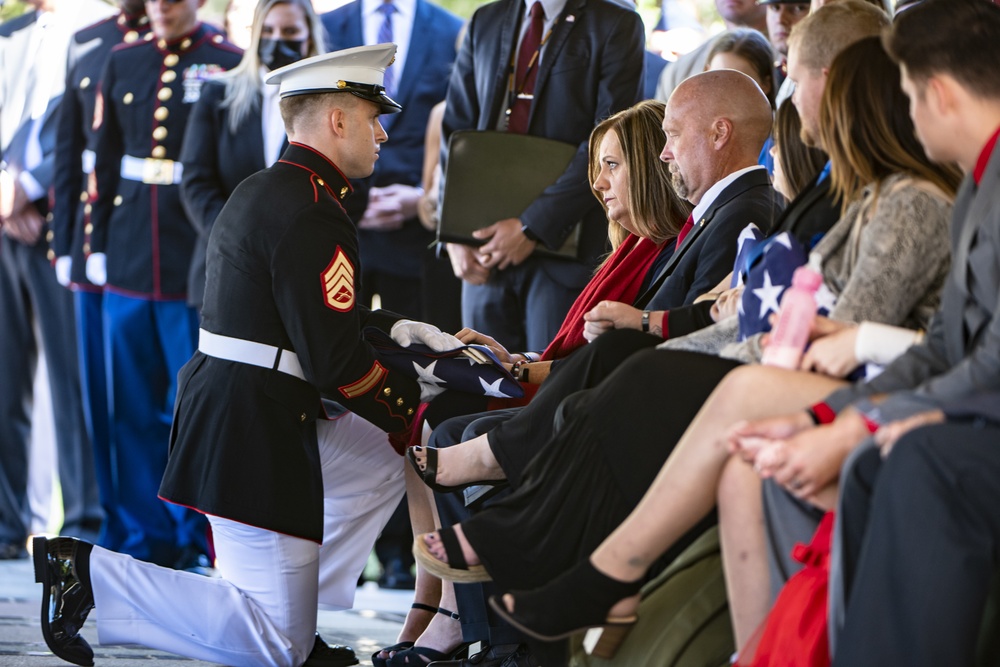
x,y
472,337
812,459
748,438
466,264
609,315
887,436
808,461
833,353
727,304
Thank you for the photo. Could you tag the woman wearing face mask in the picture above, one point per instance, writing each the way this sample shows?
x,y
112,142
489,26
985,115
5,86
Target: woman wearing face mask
x,y
235,128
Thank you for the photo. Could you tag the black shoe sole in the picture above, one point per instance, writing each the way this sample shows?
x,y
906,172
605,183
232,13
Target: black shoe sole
x,y
39,555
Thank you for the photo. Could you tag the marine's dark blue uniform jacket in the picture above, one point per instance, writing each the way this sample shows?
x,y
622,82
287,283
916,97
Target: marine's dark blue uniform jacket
x,y
282,271
88,54
147,92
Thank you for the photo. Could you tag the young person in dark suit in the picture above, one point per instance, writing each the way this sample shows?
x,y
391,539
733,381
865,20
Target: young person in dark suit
x,y
33,56
550,69
393,242
74,192
919,519
271,345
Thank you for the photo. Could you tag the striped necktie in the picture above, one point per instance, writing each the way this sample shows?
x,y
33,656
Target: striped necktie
x,y
387,9
528,56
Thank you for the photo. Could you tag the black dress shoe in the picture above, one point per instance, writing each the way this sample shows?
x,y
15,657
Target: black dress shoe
x,y
325,655
501,655
67,598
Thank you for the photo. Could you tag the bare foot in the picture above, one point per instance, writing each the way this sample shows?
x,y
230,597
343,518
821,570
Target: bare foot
x,y
436,546
470,461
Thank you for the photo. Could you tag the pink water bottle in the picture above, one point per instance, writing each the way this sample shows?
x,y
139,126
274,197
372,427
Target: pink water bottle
x,y
798,310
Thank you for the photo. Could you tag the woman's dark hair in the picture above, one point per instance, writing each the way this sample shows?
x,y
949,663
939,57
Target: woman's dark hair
x,y
799,163
865,124
753,47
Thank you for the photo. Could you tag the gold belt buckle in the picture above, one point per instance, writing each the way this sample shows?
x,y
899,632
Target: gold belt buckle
x,y
157,172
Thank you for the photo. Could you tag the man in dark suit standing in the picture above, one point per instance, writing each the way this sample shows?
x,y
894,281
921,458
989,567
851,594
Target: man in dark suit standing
x,y
75,138
552,69
393,243
33,59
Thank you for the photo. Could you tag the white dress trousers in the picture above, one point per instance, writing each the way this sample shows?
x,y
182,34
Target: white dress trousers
x,y
262,610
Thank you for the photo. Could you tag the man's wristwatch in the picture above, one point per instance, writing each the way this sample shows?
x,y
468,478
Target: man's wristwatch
x,y
644,322
530,235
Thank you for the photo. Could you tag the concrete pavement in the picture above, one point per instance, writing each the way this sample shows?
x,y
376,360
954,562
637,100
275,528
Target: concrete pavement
x,y
374,622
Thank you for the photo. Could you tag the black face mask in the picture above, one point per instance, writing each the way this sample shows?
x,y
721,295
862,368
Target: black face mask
x,y
275,53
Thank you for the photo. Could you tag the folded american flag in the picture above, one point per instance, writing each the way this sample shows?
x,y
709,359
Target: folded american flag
x,y
472,369
768,265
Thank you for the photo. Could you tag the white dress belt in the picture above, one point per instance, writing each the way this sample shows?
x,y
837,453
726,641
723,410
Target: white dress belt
x,y
154,171
249,352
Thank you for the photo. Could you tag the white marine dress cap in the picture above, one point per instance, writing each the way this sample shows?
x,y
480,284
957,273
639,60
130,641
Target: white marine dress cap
x,y
358,71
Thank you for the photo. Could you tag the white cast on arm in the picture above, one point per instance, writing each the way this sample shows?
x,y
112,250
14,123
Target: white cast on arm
x,y
878,343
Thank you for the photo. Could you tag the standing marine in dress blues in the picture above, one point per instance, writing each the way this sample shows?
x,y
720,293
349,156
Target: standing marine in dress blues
x,y
75,190
141,245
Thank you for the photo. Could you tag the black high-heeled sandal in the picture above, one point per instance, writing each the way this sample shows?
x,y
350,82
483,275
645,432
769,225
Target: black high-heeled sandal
x,y
429,473
402,646
577,600
421,655
456,569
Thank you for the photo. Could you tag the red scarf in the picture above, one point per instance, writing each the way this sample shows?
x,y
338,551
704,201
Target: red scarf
x,y
618,280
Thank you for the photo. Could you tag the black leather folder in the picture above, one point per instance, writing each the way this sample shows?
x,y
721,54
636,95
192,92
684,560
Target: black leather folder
x,y
492,176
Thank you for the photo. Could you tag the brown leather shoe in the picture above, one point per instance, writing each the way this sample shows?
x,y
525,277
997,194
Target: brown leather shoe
x,y
66,599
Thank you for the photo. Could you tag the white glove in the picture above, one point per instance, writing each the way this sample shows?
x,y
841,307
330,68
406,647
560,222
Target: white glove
x,y
63,266
407,332
97,268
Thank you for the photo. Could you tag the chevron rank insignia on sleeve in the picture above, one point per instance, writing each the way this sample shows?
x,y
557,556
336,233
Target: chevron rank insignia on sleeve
x,y
337,281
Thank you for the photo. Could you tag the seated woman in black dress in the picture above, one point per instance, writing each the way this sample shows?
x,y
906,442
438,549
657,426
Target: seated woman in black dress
x,y
885,260
644,216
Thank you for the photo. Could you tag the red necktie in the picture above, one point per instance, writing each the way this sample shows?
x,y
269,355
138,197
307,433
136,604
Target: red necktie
x,y
527,70
688,226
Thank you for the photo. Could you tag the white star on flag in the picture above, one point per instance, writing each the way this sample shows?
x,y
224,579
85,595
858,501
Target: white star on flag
x,y
768,295
784,239
493,389
425,375
825,299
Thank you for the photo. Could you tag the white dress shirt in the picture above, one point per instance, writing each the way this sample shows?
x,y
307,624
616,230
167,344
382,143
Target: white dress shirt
x,y
272,127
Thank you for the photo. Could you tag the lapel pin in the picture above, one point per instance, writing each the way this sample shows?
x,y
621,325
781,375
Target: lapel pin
x,y
570,18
